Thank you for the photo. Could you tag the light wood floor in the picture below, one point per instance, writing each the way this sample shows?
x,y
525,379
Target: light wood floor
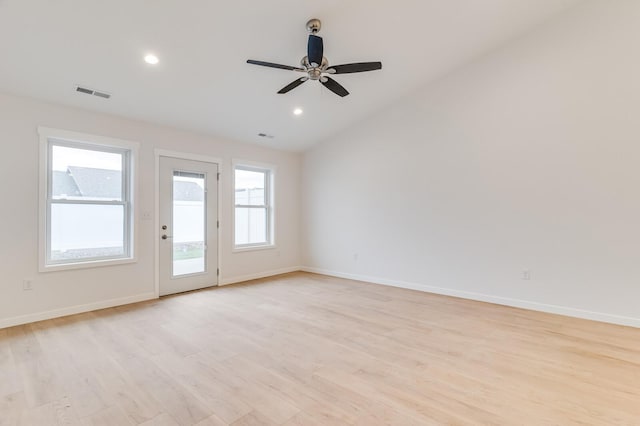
x,y
303,349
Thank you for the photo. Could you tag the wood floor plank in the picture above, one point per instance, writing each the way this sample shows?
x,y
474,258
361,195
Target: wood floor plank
x,y
108,417
134,400
69,355
263,399
254,418
161,420
212,421
216,395
305,349
12,408
10,382
174,399
40,380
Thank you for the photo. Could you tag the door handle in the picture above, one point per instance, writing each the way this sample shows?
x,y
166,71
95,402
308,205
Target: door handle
x,y
165,236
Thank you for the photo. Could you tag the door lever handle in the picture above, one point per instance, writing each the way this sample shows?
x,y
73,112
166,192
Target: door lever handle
x,y
165,236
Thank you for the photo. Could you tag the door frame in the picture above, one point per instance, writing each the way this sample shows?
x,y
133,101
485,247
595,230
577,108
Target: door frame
x,y
182,156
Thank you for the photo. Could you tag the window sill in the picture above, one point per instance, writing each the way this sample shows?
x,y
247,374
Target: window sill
x,y
86,265
243,249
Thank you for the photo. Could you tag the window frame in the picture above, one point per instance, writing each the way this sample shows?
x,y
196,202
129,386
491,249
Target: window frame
x,y
55,137
269,206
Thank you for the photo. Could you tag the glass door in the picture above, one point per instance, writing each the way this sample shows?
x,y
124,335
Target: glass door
x,y
188,225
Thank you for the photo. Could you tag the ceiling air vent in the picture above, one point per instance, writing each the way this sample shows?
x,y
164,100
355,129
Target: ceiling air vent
x,y
101,94
93,92
84,90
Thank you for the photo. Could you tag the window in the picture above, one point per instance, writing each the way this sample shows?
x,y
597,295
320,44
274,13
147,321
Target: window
x,y
253,206
87,204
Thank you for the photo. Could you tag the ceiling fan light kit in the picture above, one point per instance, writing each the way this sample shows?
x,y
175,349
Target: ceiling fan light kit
x,y
316,66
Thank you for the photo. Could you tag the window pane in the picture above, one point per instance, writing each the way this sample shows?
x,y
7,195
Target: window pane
x,y
84,174
251,225
189,230
82,231
250,186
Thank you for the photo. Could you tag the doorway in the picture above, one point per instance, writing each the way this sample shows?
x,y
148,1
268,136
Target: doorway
x,y
188,225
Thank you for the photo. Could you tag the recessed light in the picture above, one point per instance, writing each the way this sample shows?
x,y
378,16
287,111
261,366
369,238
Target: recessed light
x,y
151,59
297,111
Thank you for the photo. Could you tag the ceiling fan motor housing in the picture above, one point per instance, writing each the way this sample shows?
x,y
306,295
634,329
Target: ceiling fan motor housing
x,y
315,50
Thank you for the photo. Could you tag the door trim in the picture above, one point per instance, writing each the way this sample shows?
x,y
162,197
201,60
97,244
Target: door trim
x,y
182,156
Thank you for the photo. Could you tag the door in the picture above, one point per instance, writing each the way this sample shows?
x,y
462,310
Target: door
x,y
188,228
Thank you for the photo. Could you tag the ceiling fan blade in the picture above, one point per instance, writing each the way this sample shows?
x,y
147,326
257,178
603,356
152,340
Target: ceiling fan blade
x,y
315,49
272,65
334,86
356,67
292,85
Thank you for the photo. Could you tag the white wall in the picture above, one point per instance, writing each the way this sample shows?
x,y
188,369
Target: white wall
x,y
529,158
60,292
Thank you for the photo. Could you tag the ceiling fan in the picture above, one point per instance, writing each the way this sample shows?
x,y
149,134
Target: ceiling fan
x,y
316,66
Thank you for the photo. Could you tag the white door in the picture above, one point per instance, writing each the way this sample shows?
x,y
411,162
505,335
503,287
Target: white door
x,y
188,228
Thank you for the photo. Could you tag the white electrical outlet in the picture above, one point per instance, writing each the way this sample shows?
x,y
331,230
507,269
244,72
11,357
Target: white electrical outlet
x,y
526,275
355,257
27,285
146,216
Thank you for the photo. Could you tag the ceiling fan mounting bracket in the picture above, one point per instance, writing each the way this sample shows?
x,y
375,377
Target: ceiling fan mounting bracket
x,y
314,25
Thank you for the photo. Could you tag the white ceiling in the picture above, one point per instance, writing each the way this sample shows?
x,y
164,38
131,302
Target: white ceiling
x,y
203,83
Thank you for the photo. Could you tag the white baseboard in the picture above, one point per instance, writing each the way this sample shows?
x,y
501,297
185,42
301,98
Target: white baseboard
x,y
56,313
63,312
499,300
264,274
517,303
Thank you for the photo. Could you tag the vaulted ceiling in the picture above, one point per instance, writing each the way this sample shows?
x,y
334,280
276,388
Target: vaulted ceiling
x,y
202,82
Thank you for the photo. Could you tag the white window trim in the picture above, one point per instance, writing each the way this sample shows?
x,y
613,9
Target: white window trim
x,y
47,133
271,212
